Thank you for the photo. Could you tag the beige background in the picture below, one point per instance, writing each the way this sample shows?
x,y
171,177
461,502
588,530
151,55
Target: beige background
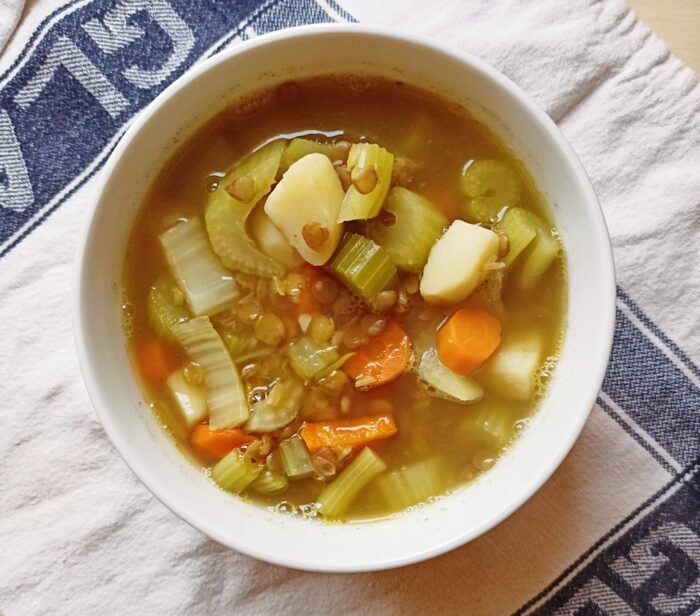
x,y
677,23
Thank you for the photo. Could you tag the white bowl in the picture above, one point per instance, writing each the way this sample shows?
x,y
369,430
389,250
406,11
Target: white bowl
x,y
181,109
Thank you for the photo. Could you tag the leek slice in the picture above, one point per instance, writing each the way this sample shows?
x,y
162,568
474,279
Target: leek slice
x,y
444,383
207,285
416,226
226,396
296,459
412,485
163,313
234,472
339,494
190,399
309,358
489,185
225,215
376,160
278,408
363,266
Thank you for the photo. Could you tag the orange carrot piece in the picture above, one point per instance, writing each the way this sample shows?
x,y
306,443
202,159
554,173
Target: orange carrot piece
x,y
217,443
468,339
155,360
347,432
382,359
307,302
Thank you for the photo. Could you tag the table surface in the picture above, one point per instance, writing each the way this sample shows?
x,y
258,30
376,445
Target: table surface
x,y
677,23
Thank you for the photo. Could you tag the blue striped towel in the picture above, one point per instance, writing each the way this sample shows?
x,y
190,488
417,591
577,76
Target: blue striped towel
x,y
615,531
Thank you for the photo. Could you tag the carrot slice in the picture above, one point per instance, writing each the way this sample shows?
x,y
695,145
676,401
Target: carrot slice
x,y
468,339
155,360
382,359
347,432
307,302
218,443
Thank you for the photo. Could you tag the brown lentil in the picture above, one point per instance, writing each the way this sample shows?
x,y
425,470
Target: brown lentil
x,y
249,310
270,329
242,189
385,300
364,179
324,290
315,235
193,373
321,328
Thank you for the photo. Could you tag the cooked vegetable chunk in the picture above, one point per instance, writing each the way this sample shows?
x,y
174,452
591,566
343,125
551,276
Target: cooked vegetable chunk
x,y
190,399
272,241
468,339
347,432
370,170
489,185
304,206
456,263
446,383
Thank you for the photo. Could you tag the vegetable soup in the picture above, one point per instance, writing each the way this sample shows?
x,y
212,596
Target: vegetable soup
x,y
343,298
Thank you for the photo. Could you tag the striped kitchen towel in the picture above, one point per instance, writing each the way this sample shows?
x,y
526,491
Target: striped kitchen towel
x,y
615,531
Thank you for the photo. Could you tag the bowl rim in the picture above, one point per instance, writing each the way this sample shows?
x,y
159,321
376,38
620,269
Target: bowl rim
x,y
606,327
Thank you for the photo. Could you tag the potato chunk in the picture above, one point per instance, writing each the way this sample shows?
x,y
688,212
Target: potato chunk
x,y
455,266
304,206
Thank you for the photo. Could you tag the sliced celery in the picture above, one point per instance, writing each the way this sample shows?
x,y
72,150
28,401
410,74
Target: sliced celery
x,y
339,494
444,383
278,408
491,426
190,399
163,313
336,365
239,344
308,358
367,156
234,472
520,228
416,225
298,148
296,459
489,185
226,215
363,266
270,482
539,258
226,396
412,485
207,285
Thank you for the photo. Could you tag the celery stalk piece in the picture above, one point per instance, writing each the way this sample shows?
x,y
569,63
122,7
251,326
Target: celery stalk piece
x,y
492,426
444,383
299,147
207,285
309,358
520,228
163,313
363,266
339,494
270,482
228,207
234,472
489,185
190,399
417,224
412,485
296,459
539,258
375,159
226,396
278,408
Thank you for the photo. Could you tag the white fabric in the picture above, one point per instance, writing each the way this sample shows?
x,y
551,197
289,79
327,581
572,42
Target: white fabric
x,y
81,535
10,12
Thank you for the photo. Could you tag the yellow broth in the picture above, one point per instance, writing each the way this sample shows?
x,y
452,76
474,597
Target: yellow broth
x,y
410,123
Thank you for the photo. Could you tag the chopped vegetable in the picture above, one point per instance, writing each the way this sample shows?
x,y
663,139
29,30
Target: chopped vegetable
x,y
163,312
278,408
511,371
155,360
519,227
382,359
218,443
272,241
304,206
337,496
413,484
234,473
295,458
468,339
270,482
231,203
538,259
489,185
456,263
407,229
308,358
347,432
226,396
370,170
190,399
363,266
492,426
299,147
445,383
207,285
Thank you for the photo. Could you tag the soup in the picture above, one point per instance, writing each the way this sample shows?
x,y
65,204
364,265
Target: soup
x,y
343,298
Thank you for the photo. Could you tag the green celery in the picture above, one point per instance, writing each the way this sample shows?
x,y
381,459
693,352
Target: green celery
x,y
445,383
308,358
539,258
489,185
278,408
359,206
520,227
163,313
295,457
270,482
299,147
412,485
234,472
